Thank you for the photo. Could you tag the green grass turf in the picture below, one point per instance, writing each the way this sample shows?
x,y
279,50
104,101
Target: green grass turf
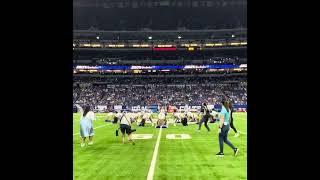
x,y
177,159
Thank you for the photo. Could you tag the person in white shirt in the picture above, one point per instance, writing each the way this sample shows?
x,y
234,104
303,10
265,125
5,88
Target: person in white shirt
x,y
125,127
145,116
177,118
161,120
86,125
117,117
190,116
148,118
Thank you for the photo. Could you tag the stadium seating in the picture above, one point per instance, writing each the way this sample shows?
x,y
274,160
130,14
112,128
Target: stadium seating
x,y
151,91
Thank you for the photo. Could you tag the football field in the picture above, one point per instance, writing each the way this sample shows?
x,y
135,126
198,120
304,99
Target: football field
x,y
177,158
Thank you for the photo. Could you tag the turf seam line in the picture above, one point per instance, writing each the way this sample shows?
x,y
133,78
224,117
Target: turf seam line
x,y
154,157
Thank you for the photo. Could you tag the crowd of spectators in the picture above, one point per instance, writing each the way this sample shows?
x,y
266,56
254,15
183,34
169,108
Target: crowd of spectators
x,y
194,73
160,91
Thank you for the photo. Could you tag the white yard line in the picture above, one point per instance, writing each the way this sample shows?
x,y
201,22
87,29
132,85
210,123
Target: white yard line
x,y
94,128
78,120
154,157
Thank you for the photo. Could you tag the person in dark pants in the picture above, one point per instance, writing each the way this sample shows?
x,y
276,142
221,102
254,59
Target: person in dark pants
x,y
224,128
184,120
125,127
205,117
231,120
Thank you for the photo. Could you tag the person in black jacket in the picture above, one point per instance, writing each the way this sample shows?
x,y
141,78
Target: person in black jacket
x,y
231,120
205,117
184,120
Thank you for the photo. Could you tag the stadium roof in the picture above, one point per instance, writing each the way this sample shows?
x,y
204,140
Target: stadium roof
x,y
159,14
157,3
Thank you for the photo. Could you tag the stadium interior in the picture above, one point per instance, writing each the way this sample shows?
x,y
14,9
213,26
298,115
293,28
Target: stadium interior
x,y
175,58
129,54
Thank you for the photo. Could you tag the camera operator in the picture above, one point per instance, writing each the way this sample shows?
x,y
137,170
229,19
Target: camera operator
x,y
125,127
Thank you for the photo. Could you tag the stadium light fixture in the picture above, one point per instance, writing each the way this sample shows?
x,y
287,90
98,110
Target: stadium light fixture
x,y
150,37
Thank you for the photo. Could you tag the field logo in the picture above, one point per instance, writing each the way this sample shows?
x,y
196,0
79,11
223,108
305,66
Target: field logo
x,y
178,136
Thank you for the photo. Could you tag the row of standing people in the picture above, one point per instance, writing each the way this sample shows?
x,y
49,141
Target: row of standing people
x,y
226,121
